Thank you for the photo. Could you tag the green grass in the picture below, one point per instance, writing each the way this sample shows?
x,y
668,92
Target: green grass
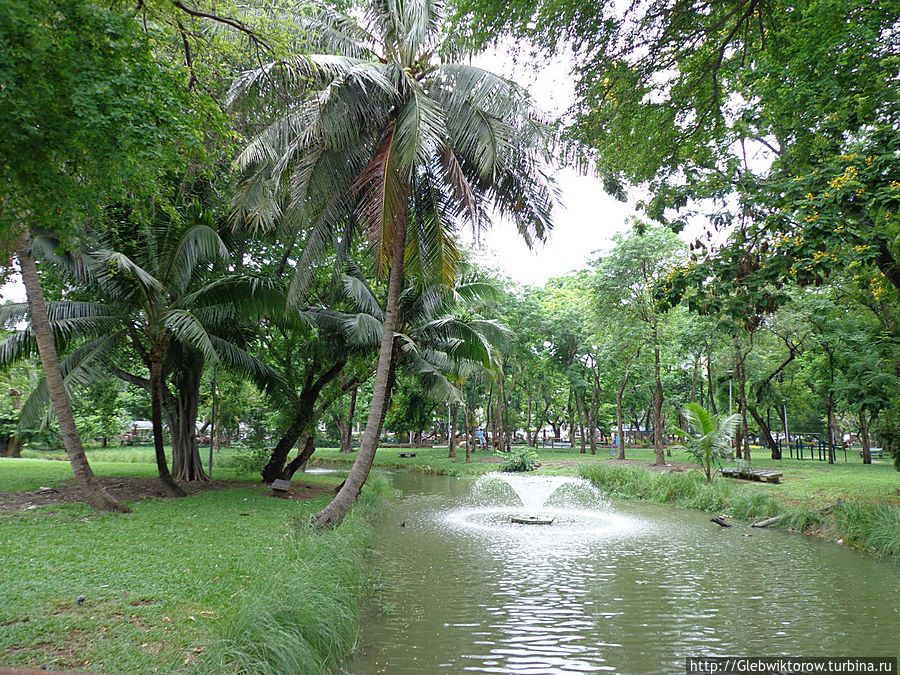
x,y
172,584
305,618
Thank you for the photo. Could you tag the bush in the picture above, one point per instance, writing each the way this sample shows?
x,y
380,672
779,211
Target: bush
x,y
524,460
251,460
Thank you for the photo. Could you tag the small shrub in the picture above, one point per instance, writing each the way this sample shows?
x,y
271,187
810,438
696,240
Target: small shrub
x,y
251,460
524,460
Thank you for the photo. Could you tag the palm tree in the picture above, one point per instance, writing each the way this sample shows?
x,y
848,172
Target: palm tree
x,y
381,132
90,489
710,437
436,344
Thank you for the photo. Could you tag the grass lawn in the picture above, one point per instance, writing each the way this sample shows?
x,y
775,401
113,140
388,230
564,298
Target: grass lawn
x,y
186,585
162,584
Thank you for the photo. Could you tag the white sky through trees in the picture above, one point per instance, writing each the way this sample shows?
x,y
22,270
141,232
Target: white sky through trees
x,y
586,217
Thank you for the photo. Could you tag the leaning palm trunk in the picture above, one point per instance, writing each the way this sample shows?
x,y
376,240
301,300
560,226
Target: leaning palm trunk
x,y
333,514
89,487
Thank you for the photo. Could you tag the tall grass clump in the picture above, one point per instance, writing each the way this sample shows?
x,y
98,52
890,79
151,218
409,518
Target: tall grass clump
x,y
874,526
804,520
304,618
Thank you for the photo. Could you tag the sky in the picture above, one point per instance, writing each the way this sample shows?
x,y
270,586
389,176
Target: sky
x,y
585,219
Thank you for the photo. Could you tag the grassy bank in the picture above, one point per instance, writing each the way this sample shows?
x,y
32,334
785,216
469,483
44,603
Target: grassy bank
x,y
865,521
224,581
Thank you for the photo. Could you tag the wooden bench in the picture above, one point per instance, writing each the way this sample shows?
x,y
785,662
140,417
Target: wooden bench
x,y
752,474
560,444
407,454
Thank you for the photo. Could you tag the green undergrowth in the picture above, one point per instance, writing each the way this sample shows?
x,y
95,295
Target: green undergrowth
x,y
866,524
178,585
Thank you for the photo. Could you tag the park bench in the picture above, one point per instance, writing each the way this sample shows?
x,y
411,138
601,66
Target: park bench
x,y
407,454
560,444
874,452
752,474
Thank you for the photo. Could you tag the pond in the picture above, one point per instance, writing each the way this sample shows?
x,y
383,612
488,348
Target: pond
x,y
609,586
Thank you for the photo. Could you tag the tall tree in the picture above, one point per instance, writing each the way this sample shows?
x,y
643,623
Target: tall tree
x,y
624,282
71,72
383,131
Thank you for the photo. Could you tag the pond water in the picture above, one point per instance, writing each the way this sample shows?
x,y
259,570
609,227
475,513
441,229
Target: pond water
x,y
607,587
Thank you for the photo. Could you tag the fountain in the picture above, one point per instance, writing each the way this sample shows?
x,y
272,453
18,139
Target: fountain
x,y
504,503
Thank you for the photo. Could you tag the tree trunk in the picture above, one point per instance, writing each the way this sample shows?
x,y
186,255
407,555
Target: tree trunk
x,y
657,409
696,377
156,396
303,417
620,422
470,438
12,446
579,403
454,413
711,392
766,432
89,488
334,513
832,425
594,415
186,464
345,431
347,443
864,437
299,462
528,417
571,412
742,389
502,416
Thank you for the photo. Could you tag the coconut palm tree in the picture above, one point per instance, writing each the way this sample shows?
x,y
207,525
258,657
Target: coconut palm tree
x,y
90,489
380,131
709,438
436,343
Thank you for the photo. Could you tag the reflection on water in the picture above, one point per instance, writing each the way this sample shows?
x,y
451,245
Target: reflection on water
x,y
626,588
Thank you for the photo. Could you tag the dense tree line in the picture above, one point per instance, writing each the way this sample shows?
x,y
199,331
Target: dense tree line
x,y
262,206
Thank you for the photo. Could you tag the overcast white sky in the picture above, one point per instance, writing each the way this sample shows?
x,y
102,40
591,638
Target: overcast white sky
x,y
586,218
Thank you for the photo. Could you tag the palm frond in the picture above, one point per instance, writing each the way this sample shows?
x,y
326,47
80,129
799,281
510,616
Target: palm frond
x,y
187,329
82,367
13,313
363,329
106,264
18,346
421,129
200,242
382,199
361,296
267,379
